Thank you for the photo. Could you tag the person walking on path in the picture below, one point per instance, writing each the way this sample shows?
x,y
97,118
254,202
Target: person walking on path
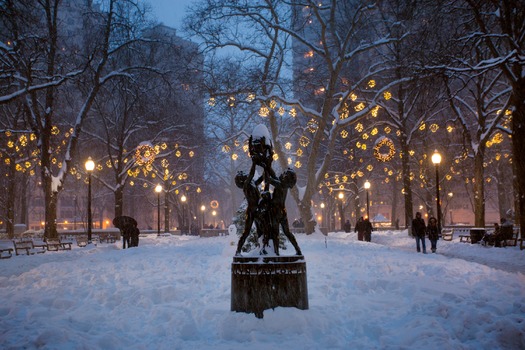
x,y
368,230
360,228
433,233
418,230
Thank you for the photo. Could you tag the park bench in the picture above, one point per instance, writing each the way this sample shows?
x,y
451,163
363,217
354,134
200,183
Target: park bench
x,y
27,247
447,234
6,253
82,241
57,244
107,237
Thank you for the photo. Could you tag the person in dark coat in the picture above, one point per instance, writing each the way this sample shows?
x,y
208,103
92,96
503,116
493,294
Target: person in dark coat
x,y
134,236
360,228
368,230
347,226
433,233
418,231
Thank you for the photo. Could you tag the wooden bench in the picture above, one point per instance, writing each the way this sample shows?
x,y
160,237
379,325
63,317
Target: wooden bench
x,y
27,247
464,238
6,253
57,244
447,234
107,237
82,241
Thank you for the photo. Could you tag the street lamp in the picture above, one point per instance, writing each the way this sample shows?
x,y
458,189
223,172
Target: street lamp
x,y
203,208
90,165
341,196
367,187
158,189
183,200
436,159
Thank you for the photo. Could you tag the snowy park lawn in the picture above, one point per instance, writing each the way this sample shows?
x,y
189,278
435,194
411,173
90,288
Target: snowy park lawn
x,y
174,293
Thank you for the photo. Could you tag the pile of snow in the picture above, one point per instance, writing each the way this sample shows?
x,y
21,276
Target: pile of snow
x,y
174,293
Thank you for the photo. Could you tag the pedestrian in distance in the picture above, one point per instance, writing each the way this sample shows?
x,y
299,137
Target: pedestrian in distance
x,y
360,228
418,231
347,226
368,230
433,233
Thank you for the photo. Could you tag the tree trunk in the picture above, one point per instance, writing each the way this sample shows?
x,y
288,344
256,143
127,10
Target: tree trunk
x,y
479,188
518,146
10,201
407,187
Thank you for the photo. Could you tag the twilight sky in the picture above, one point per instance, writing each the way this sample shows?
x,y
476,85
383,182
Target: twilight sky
x,y
170,12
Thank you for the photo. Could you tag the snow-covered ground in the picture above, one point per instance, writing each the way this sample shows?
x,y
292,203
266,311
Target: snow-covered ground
x,y
174,293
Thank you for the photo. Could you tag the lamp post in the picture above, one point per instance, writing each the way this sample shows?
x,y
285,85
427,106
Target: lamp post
x,y
203,208
322,215
341,196
436,159
90,165
183,200
158,189
367,187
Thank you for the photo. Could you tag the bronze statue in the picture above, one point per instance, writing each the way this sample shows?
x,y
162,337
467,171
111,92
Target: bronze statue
x,y
267,210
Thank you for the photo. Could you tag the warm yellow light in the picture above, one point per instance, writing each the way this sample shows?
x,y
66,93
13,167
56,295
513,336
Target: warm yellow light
x,y
90,165
203,208
436,158
367,185
158,188
183,198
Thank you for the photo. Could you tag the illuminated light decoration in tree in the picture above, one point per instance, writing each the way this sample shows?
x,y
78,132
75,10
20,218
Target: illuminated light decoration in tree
x,y
164,163
422,126
55,130
145,154
387,95
497,156
364,147
343,113
212,101
320,91
370,167
231,101
304,141
275,156
264,111
289,161
365,136
360,173
371,83
374,132
353,97
281,111
191,154
434,127
214,204
375,111
250,97
344,134
288,145
298,164
273,104
384,156
299,152
234,156
312,126
359,107
359,127
358,144
108,163
293,113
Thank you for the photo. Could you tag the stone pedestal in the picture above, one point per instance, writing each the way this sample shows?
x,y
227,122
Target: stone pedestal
x,y
261,283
